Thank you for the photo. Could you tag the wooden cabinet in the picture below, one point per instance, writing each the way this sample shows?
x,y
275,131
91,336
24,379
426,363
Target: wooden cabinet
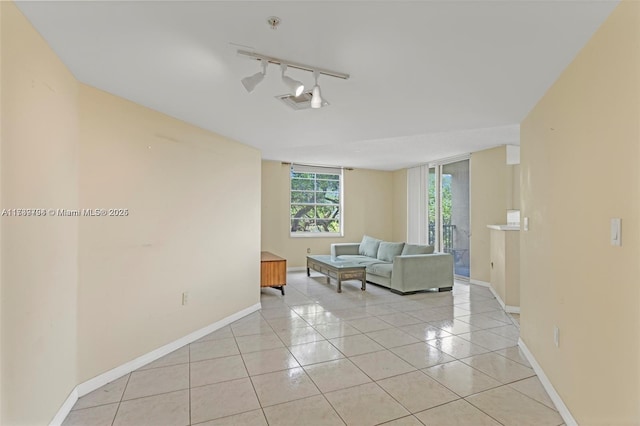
x,y
273,271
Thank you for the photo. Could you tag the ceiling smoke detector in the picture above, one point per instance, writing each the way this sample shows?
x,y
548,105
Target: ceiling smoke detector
x,y
273,22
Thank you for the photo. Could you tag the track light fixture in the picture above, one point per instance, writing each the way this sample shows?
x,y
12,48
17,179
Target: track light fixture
x,y
316,97
295,87
251,82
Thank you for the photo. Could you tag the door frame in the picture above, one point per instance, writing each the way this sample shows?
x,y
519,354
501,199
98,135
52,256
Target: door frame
x,y
439,229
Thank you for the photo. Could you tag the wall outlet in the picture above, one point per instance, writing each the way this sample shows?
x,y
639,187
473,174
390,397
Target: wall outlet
x,y
616,229
556,336
308,250
185,298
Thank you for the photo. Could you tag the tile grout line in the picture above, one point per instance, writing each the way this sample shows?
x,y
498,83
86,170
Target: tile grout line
x,y
373,380
252,385
385,348
500,384
487,374
153,395
481,410
356,365
495,378
522,393
409,411
332,407
517,362
121,397
463,397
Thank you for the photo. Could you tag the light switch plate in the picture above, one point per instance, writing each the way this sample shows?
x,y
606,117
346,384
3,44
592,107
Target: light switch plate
x,y
616,229
526,223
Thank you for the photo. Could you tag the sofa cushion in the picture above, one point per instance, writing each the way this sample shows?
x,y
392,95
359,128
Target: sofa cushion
x,y
417,249
355,258
381,269
372,262
387,251
369,246
359,260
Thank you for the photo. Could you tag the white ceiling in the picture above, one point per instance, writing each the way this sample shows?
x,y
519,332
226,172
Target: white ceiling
x,y
429,79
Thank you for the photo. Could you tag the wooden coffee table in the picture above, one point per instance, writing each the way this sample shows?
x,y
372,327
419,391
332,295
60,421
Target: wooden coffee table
x,y
337,269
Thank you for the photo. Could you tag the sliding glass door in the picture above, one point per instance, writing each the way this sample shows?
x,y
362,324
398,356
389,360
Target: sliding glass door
x,y
448,215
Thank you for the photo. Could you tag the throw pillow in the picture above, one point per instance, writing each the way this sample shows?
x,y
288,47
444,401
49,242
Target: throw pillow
x,y
417,249
369,246
387,251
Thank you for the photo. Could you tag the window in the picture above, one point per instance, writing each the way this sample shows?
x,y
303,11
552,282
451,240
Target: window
x,y
316,201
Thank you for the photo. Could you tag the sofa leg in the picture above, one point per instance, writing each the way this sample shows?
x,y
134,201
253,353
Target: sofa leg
x,y
445,289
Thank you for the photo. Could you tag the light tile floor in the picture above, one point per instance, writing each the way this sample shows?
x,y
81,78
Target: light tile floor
x,y
316,357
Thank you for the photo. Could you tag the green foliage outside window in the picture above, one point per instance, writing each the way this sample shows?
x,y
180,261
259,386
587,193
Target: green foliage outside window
x,y
446,206
446,198
315,203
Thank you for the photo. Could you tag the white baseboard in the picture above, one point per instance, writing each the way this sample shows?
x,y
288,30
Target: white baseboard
x,y
115,373
64,411
297,269
555,397
478,282
507,308
512,309
497,296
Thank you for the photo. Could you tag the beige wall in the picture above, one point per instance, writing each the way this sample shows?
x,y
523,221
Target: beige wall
x,y
39,254
1,205
400,205
505,266
580,155
515,187
490,196
194,225
81,296
368,209
498,262
512,272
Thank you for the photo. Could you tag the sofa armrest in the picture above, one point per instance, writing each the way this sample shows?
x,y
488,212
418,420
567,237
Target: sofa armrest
x,y
422,271
338,249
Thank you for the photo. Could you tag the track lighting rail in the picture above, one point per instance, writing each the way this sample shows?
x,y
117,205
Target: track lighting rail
x,y
303,67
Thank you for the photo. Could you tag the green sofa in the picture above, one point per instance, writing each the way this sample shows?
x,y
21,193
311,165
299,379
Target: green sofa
x,y
403,268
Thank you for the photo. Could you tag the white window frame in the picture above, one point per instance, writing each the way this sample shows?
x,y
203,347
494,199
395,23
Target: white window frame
x,y
300,168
